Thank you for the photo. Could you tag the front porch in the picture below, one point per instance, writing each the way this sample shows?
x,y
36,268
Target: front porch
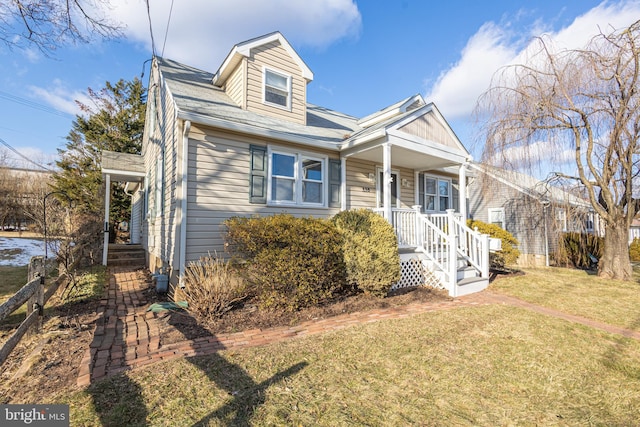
x,y
439,250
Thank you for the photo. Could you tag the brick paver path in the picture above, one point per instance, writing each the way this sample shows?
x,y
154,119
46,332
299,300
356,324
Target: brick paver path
x,y
128,337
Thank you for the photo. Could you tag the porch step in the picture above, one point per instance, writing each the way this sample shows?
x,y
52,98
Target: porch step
x,y
126,255
471,285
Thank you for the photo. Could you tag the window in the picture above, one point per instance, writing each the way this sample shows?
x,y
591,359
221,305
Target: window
x,y
496,216
437,194
277,89
561,218
297,179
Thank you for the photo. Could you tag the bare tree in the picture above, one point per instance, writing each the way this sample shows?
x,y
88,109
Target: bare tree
x,y
47,24
586,101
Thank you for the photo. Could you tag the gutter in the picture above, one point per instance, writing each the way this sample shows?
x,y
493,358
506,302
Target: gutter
x,y
258,131
183,204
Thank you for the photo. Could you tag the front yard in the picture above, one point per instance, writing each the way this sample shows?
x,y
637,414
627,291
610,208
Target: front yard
x,y
488,365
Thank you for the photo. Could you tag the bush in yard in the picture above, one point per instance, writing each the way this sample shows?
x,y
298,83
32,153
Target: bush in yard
x,y
574,249
634,250
211,288
292,262
370,250
509,253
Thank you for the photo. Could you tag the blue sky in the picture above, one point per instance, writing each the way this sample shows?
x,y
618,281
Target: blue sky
x,y
365,55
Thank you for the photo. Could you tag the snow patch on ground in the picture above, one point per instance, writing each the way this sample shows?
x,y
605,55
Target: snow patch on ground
x,y
16,251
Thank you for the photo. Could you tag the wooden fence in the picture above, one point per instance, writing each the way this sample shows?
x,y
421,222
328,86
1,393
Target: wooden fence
x,y
35,295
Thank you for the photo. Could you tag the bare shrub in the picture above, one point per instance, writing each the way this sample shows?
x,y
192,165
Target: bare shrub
x,y
212,287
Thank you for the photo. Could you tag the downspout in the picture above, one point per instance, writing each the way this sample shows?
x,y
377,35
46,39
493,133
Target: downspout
x,y
183,201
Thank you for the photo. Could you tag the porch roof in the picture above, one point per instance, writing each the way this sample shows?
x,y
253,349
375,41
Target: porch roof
x,y
123,167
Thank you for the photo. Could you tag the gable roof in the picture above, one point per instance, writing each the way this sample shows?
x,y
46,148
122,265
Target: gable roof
x,y
531,186
198,100
400,107
243,50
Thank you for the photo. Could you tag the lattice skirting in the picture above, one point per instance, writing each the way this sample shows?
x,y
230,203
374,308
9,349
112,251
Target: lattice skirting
x,y
414,273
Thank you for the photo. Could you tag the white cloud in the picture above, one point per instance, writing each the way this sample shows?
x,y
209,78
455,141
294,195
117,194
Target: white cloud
x,y
496,45
60,97
202,32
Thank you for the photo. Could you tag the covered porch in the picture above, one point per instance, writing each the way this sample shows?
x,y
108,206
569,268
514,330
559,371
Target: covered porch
x,y
420,183
128,169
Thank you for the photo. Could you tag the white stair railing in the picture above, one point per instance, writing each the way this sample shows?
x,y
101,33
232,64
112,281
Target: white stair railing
x,y
472,246
435,244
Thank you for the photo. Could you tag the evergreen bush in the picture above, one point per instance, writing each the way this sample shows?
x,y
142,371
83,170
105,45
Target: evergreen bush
x,y
370,249
509,253
292,262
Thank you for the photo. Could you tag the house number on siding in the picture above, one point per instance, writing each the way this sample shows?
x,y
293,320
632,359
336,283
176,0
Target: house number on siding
x,y
366,189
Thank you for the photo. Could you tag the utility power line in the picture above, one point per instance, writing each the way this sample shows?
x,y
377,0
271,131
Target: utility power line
x,y
32,104
6,144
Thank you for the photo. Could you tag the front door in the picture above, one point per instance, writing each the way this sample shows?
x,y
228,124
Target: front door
x,y
394,189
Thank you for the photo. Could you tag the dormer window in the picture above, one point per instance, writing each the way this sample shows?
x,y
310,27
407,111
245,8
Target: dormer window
x,y
277,89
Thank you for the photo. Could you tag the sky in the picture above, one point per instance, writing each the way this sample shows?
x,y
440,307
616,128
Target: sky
x,y
365,55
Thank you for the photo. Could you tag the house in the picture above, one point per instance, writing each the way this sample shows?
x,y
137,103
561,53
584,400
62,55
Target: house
x,y
534,211
245,141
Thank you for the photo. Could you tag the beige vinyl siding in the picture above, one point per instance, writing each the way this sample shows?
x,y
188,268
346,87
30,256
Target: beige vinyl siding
x,y
218,188
429,127
235,86
159,236
361,191
407,193
275,57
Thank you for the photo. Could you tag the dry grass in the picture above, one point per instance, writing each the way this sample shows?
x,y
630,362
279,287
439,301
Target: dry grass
x,y
577,292
491,365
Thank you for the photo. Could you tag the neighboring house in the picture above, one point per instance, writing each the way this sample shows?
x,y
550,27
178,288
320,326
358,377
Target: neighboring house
x,y
634,230
245,141
535,212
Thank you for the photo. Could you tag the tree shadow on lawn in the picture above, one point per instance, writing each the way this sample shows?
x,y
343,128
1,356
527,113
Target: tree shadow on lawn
x,y
247,394
119,400
614,358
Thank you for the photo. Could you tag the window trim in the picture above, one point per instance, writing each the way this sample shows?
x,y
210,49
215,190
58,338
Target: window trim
x,y
288,77
299,157
437,193
501,210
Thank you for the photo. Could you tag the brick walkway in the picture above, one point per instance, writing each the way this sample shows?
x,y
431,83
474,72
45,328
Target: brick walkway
x,y
128,337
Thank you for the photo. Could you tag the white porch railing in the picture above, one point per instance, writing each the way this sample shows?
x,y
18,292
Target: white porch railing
x,y
435,234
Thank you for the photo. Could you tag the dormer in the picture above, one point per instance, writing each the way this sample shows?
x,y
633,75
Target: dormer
x,y
266,76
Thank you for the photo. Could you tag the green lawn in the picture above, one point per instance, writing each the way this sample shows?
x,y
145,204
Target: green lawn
x,y
577,292
488,365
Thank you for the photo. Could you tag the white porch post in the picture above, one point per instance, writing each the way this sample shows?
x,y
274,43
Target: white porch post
x,y
386,180
343,183
107,198
462,191
453,254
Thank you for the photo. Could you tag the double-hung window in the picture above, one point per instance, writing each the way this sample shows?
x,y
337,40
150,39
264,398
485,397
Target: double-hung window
x,y
297,179
277,89
437,194
496,216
